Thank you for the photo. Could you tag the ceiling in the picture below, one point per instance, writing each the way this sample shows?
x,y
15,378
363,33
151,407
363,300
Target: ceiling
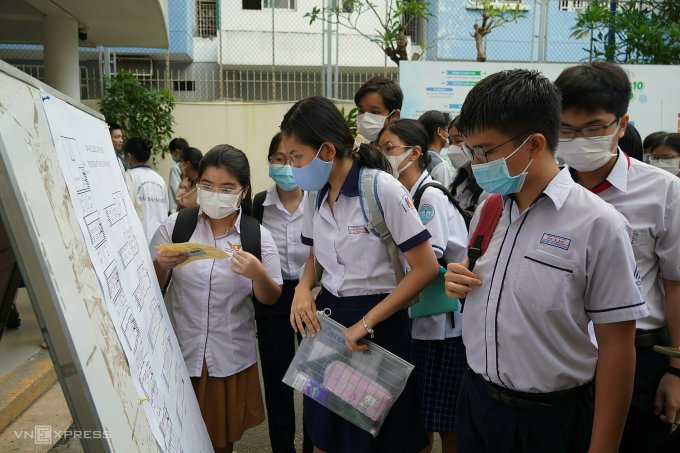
x,y
119,23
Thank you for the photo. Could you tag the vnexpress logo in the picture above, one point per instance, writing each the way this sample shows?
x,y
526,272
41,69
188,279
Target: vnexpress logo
x,y
42,435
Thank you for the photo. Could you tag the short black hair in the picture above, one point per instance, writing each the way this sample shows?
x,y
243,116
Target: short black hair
x,y
389,90
178,143
671,140
455,123
433,120
592,86
631,143
513,102
139,148
412,133
193,156
274,144
114,126
653,138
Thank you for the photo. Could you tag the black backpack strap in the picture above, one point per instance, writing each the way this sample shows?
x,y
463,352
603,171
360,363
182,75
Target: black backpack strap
x,y
185,224
467,216
250,236
258,205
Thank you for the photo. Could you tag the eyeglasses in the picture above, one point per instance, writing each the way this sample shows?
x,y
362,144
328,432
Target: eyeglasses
x,y
480,154
279,159
222,190
389,148
568,134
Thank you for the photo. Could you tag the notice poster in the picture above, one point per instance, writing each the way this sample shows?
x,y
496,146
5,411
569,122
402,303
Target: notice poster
x,y
118,251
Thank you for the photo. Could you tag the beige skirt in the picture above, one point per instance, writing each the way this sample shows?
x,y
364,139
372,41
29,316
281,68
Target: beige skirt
x,y
229,405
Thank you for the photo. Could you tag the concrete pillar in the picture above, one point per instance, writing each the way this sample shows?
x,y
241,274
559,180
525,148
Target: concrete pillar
x,y
60,38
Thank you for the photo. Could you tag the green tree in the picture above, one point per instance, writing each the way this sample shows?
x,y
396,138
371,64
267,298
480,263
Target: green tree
x,y
644,31
492,15
141,111
391,37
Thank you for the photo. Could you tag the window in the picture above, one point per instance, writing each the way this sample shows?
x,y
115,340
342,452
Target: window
x,y
573,5
251,4
183,85
279,4
206,18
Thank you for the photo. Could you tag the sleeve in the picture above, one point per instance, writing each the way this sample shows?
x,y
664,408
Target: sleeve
x,y
613,290
270,256
163,235
668,241
433,213
307,235
400,214
173,184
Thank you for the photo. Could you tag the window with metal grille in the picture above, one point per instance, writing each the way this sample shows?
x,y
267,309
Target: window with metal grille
x,y
206,18
573,5
279,4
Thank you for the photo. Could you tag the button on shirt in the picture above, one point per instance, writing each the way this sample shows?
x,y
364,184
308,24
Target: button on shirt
x,y
649,198
449,237
286,229
565,261
355,261
210,306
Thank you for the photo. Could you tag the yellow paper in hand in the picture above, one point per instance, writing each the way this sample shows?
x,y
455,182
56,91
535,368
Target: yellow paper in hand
x,y
195,251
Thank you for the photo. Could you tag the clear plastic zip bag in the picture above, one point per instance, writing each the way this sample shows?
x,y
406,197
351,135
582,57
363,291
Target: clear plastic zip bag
x,y
361,387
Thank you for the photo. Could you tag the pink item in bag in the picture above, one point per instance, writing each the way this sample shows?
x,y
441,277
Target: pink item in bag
x,y
357,390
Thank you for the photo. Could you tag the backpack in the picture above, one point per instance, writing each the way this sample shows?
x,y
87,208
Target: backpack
x,y
488,221
258,205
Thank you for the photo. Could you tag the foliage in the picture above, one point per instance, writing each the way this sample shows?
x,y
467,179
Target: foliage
x,y
351,119
141,111
644,31
493,15
394,21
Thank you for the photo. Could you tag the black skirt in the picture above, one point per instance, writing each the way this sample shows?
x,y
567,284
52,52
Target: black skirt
x,y
403,430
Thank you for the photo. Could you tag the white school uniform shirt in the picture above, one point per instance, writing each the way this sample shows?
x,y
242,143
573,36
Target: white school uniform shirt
x,y
286,229
440,169
546,274
649,198
356,262
173,183
449,237
210,306
151,197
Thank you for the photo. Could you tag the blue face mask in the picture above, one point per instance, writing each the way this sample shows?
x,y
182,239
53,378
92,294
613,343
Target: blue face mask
x,y
494,177
283,177
313,176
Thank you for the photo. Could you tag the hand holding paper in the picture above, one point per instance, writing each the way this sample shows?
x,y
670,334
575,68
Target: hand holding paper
x,y
194,251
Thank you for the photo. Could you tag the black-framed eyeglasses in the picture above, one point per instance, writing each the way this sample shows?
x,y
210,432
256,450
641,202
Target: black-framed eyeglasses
x,y
222,190
279,159
568,134
480,154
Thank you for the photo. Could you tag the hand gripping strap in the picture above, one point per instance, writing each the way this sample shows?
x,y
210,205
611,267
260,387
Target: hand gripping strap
x,y
488,221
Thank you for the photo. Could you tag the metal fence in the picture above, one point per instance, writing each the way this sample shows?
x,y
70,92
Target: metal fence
x,y
267,50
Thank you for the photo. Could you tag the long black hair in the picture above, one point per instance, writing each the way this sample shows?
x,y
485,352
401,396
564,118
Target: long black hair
x,y
235,162
412,133
139,148
315,120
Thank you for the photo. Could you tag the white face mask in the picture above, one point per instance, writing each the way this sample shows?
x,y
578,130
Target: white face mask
x,y
395,161
588,154
457,156
218,205
670,165
370,125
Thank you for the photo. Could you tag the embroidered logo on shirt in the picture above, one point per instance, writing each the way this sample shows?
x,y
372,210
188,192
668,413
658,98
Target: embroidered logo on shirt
x,y
359,229
406,203
232,248
555,241
638,277
426,213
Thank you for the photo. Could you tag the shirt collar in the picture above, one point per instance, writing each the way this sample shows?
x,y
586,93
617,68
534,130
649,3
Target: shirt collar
x,y
618,177
350,188
424,178
559,188
272,197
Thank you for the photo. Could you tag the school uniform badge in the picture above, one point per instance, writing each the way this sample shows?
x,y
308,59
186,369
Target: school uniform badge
x,y
406,203
426,213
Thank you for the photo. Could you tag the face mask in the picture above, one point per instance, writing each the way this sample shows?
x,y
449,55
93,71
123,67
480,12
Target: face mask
x,y
587,154
177,157
370,125
218,205
457,156
283,177
647,158
494,177
670,165
313,176
395,161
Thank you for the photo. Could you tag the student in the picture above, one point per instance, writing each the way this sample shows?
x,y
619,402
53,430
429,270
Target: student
x,y
438,351
357,275
464,188
146,187
666,153
281,209
176,146
594,103
436,124
379,102
186,193
558,258
208,301
649,142
117,141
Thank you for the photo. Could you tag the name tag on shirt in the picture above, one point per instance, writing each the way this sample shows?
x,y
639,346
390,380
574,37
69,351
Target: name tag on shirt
x,y
556,241
359,229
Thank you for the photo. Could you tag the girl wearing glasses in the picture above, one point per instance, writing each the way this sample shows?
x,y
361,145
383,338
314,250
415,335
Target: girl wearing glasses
x,y
357,275
209,301
186,191
666,154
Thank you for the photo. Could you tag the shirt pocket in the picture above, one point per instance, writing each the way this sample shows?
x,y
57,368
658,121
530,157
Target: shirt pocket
x,y
543,280
643,245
